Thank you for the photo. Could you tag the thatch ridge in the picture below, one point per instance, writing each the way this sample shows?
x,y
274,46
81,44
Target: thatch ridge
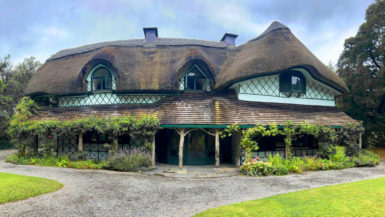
x,y
153,67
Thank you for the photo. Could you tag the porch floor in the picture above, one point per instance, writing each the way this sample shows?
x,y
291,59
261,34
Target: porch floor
x,y
209,171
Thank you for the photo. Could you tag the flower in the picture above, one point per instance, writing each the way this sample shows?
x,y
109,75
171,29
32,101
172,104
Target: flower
x,y
50,136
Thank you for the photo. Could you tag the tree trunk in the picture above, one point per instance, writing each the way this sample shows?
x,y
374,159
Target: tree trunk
x,y
217,148
153,151
287,151
80,144
181,142
238,149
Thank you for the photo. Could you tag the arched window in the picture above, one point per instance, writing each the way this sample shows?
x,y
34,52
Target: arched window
x,y
194,80
292,83
100,79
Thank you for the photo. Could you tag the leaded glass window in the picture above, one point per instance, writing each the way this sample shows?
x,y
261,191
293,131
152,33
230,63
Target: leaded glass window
x,y
194,80
292,83
101,79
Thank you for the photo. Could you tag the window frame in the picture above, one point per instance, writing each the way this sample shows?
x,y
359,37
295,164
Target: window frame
x,y
185,78
286,85
91,79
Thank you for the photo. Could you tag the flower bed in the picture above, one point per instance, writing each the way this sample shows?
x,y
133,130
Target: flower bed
x,y
279,166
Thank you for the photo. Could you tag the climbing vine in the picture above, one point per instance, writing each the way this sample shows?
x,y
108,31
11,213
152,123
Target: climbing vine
x,y
23,128
326,137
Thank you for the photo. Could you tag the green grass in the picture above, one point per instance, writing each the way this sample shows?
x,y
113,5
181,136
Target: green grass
x,y
363,198
17,187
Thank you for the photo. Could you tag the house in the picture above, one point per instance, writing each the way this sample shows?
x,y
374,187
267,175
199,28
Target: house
x,y
195,88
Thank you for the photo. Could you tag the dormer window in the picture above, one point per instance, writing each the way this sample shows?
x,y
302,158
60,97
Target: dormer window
x,y
100,79
194,80
292,83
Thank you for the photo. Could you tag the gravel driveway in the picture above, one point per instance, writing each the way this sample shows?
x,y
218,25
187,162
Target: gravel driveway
x,y
107,193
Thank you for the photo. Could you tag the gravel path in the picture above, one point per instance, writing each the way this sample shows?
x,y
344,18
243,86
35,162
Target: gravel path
x,y
108,193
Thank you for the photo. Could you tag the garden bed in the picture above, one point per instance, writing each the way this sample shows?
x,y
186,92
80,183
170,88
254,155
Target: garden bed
x,y
276,165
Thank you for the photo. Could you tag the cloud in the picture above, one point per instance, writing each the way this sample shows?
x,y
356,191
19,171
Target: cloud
x,y
42,28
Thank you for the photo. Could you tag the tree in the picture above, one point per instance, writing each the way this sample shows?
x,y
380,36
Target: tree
x,y
13,80
361,65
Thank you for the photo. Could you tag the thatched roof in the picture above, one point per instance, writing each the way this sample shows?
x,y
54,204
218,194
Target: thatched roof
x,y
211,109
141,66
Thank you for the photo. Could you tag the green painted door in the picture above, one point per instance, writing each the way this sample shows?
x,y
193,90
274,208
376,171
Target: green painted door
x,y
199,149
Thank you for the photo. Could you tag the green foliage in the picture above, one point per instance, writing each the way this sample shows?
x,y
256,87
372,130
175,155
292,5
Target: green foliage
x,y
325,136
230,130
361,65
252,135
326,141
13,80
61,161
257,168
5,144
129,160
348,136
277,165
23,128
366,159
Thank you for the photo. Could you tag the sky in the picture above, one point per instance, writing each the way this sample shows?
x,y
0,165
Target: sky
x,y
40,28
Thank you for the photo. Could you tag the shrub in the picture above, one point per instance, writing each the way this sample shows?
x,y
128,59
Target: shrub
x,y
310,163
367,158
80,155
62,161
129,160
339,160
254,167
326,149
294,164
281,170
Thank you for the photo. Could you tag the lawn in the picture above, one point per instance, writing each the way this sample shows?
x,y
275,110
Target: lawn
x,y
17,187
363,198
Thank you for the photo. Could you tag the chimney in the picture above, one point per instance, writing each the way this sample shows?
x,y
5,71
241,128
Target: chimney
x,y
229,39
150,34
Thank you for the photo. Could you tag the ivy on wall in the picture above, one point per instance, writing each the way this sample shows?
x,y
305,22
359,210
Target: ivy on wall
x,y
23,128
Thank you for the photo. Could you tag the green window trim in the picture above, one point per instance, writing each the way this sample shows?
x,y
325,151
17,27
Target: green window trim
x,y
194,80
292,83
106,79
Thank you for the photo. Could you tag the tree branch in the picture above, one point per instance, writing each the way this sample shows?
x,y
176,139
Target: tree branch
x,y
373,59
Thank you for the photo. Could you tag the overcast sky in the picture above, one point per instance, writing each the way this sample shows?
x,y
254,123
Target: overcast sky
x,y
41,28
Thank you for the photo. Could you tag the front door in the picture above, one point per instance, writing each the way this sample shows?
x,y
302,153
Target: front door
x,y
199,148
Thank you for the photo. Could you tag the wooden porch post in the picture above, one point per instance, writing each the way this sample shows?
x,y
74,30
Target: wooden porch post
x,y
238,149
153,151
80,144
181,142
217,148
